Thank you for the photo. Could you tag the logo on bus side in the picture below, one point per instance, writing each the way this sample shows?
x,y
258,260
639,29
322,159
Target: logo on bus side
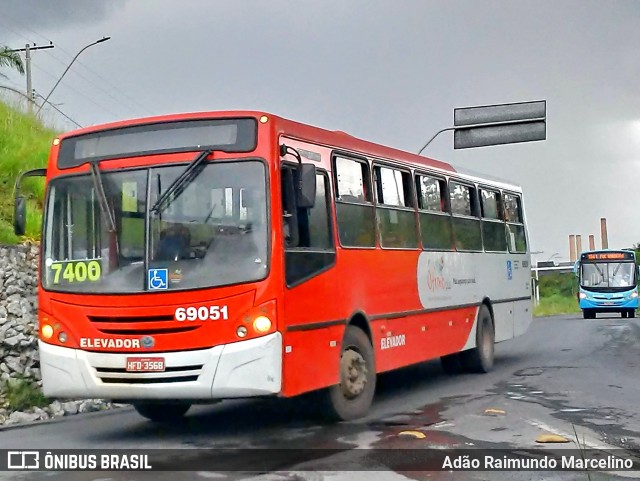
x,y
392,341
436,281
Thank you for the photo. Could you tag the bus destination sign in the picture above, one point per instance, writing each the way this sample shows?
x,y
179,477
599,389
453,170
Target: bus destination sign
x,y
607,256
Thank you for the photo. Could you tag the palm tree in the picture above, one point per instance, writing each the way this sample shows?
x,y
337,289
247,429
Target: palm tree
x,y
11,59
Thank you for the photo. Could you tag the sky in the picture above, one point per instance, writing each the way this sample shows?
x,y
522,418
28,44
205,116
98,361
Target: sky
x,y
390,71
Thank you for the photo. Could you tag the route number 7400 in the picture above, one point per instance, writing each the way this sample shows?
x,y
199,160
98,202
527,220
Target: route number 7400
x,y
202,313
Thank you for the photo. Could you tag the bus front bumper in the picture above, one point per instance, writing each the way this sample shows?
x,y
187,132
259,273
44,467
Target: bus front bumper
x,y
240,369
606,306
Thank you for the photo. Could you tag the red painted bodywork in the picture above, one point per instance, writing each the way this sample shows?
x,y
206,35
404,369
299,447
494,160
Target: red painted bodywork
x,y
373,282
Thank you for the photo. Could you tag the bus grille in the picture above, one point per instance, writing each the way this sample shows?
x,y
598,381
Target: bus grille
x,y
111,375
141,325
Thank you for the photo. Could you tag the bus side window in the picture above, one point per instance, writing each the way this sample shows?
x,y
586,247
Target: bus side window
x,y
435,221
395,215
466,222
515,223
493,227
354,204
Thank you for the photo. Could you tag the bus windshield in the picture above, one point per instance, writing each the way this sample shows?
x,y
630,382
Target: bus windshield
x,y
607,274
213,232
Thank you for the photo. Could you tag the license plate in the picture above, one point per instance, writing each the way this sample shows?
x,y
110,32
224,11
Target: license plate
x,y
608,303
145,364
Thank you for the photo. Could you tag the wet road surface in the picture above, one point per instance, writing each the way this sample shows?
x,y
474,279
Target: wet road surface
x,y
567,376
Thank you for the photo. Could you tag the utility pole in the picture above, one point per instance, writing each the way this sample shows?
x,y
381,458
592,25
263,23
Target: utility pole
x,y
27,50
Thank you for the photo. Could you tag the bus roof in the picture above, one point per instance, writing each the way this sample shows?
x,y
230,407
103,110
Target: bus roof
x,y
330,138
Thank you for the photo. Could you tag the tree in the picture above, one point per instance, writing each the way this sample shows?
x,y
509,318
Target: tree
x,y
10,59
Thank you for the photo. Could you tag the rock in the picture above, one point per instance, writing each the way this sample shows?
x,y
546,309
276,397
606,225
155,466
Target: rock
x,y
22,417
42,414
69,407
15,364
15,340
56,409
12,289
14,308
88,406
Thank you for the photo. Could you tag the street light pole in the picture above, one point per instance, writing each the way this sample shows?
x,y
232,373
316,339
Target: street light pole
x,y
103,39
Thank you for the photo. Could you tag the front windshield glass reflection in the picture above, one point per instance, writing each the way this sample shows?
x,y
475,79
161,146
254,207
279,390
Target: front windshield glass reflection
x,y
213,233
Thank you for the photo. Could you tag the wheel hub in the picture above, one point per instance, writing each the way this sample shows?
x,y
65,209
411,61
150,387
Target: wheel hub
x,y
353,373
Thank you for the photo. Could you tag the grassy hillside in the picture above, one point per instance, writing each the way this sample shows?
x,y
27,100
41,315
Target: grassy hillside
x,y
24,145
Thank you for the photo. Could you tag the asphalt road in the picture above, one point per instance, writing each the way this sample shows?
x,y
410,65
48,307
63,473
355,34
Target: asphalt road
x,y
566,376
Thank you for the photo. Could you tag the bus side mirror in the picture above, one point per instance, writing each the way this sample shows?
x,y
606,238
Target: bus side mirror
x,y
20,215
20,202
306,192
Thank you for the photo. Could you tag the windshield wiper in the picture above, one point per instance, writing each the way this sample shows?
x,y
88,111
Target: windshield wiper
x,y
107,216
182,181
102,198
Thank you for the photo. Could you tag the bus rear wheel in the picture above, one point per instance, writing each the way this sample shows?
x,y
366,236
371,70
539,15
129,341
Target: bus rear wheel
x,y
480,358
352,397
162,412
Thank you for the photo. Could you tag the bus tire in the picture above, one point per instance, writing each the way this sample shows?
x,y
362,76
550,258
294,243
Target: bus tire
x,y
352,397
162,412
480,358
588,314
452,364
631,313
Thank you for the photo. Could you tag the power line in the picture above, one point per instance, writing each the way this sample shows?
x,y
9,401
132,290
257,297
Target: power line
x,y
58,110
37,94
76,91
115,88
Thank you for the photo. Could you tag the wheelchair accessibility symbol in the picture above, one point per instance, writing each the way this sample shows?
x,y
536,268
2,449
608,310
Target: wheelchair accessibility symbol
x,y
158,279
509,270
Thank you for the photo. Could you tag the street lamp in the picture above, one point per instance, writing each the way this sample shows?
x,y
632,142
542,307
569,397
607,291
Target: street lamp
x,y
103,39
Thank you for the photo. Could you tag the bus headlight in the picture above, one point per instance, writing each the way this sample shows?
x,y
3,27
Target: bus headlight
x,y
241,331
47,331
583,295
262,324
62,337
633,295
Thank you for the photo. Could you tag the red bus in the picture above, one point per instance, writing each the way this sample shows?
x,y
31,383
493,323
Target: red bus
x,y
197,257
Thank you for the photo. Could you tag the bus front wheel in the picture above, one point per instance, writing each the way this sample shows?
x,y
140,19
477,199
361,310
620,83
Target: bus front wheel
x,y
480,358
162,412
352,397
